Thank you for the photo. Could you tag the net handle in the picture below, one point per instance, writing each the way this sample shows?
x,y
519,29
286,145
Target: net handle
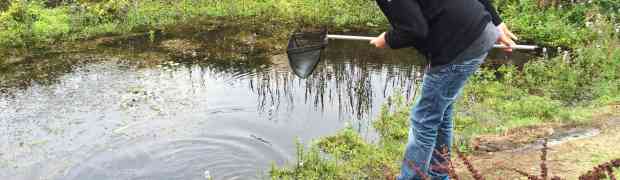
x,y
365,38
344,37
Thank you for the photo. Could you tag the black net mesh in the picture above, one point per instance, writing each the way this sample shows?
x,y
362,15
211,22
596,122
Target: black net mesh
x,y
305,51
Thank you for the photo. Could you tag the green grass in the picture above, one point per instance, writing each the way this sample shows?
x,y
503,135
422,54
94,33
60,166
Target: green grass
x,y
82,19
347,156
546,91
558,90
31,23
562,89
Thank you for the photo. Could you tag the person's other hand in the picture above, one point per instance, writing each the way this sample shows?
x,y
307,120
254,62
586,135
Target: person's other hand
x,y
379,42
506,38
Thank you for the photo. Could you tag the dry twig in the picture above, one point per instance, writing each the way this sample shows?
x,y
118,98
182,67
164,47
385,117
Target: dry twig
x,y
602,171
525,174
412,165
544,171
474,172
387,172
447,166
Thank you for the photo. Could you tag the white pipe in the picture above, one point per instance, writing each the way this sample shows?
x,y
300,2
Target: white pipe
x,y
344,37
518,47
364,38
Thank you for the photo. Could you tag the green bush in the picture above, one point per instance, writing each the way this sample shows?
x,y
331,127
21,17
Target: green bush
x,y
346,144
51,24
588,74
347,156
310,165
29,23
551,27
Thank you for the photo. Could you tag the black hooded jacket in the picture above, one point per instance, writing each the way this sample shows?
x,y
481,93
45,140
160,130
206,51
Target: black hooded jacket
x,y
440,29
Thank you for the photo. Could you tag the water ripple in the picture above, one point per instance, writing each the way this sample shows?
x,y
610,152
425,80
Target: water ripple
x,y
224,156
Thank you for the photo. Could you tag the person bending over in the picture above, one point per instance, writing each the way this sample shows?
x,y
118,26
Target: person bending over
x,y
455,36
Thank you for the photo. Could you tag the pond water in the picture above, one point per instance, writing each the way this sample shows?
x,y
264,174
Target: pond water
x,y
218,105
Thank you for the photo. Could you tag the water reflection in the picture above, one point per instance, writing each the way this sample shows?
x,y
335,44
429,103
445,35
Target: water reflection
x,y
349,77
221,102
111,115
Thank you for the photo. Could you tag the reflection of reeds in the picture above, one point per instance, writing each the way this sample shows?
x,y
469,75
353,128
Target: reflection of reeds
x,y
272,87
348,77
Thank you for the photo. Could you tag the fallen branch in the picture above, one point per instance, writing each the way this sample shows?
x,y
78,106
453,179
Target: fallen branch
x,y
602,171
474,172
412,165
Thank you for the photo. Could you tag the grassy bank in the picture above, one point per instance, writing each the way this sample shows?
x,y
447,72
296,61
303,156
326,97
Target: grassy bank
x,y
517,102
44,22
567,89
40,23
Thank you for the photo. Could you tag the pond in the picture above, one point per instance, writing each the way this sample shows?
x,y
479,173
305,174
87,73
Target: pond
x,y
217,103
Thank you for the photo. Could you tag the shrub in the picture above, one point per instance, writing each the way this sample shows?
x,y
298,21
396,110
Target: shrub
x,y
27,23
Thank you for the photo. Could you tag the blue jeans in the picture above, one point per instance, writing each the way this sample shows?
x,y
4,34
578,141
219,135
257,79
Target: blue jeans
x,y
431,117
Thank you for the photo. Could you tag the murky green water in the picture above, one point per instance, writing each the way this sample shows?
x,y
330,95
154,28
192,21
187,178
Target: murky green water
x,y
181,106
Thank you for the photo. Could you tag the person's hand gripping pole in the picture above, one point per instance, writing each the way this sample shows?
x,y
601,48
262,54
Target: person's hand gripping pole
x,y
506,37
379,41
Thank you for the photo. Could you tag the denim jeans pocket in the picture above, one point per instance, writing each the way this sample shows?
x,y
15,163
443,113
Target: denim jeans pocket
x,y
465,69
455,79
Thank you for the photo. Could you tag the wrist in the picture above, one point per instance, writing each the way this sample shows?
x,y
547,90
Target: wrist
x,y
385,39
501,30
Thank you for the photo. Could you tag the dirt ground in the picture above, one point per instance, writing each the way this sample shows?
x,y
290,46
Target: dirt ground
x,y
567,160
